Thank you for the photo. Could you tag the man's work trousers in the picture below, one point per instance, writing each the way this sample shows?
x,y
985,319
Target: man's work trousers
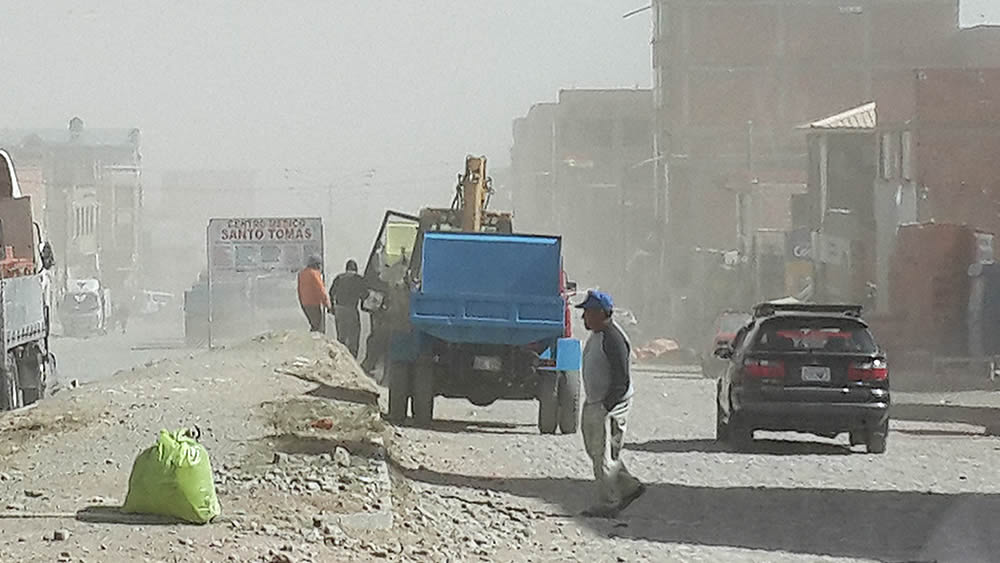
x,y
377,343
603,438
314,314
348,321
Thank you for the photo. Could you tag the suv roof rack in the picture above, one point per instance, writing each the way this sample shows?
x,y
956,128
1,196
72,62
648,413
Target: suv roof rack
x,y
769,309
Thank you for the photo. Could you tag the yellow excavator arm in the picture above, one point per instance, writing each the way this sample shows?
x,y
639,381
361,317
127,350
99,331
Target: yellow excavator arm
x,y
475,190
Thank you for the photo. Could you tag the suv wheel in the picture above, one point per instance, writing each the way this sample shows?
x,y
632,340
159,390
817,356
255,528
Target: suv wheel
x,y
877,438
721,429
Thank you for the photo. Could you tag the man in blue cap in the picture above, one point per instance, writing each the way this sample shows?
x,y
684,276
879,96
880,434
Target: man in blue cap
x,y
607,382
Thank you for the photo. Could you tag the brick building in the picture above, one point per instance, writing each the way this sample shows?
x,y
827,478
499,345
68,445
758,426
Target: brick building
x,y
733,80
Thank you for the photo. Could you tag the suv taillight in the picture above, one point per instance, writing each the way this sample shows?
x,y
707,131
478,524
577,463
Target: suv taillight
x,y
764,369
875,370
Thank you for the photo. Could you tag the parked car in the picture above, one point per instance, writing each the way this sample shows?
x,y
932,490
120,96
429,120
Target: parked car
x,y
805,368
724,329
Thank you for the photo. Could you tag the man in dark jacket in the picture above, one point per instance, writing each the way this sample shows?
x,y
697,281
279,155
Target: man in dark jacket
x,y
346,293
607,381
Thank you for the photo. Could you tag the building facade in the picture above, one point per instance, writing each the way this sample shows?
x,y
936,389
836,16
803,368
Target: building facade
x,y
734,79
582,167
86,187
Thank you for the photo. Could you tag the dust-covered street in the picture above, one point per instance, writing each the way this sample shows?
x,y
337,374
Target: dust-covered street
x,y
928,498
439,281
481,484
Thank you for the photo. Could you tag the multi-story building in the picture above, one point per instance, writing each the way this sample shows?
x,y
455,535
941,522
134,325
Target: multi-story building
x,y
733,80
926,154
582,168
86,187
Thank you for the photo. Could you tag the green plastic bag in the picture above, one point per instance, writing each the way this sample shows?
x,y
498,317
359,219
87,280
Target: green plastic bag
x,y
173,478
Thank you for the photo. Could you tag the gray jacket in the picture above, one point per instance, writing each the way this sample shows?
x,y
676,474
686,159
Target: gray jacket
x,y
607,377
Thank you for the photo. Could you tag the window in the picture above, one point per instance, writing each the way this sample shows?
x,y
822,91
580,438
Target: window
x,y
887,157
85,219
816,335
906,155
895,155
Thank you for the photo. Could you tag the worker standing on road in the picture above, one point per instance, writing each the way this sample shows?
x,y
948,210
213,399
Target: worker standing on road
x,y
608,384
346,293
312,294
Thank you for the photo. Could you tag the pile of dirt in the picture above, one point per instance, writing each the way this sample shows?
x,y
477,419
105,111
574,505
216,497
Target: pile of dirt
x,y
291,423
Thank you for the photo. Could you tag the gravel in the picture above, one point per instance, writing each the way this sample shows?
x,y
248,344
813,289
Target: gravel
x,y
294,457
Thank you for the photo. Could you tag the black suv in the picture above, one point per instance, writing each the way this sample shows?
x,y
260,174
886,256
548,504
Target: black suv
x,y
804,368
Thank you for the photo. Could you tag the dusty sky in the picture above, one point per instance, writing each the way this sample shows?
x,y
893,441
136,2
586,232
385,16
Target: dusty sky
x,y
333,87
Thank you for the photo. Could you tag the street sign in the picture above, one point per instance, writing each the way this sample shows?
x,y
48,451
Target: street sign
x,y
253,263
263,244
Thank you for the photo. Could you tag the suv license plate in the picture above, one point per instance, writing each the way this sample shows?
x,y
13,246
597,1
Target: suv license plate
x,y
816,374
487,363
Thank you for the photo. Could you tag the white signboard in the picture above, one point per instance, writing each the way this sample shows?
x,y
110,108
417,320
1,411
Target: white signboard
x,y
253,264
263,244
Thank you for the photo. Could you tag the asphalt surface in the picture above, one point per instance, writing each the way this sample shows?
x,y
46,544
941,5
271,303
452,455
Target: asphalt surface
x,y
932,496
90,359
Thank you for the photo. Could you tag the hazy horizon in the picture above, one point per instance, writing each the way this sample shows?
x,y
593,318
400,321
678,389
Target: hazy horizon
x,y
333,88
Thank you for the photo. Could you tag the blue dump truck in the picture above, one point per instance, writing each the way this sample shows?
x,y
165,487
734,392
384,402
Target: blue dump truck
x,y
487,319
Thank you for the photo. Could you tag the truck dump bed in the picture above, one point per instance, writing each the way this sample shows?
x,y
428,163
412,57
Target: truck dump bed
x,y
489,288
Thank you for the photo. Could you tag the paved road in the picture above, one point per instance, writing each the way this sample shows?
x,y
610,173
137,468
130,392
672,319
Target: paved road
x,y
933,496
89,359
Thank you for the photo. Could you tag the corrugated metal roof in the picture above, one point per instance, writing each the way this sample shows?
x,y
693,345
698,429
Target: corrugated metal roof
x,y
861,117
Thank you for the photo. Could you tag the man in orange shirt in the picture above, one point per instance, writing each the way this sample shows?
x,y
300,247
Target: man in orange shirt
x,y
312,294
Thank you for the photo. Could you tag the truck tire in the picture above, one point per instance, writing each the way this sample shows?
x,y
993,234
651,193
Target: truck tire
x,y
30,373
423,394
400,384
569,402
548,402
10,390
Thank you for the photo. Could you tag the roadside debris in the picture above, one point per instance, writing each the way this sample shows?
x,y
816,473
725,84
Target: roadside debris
x,y
173,478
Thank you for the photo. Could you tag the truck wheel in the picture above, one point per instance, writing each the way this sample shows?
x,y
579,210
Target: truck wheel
x,y
30,370
569,401
400,381
548,402
423,393
10,390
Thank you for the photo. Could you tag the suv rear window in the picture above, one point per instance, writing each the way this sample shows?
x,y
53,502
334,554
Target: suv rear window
x,y
815,335
730,323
